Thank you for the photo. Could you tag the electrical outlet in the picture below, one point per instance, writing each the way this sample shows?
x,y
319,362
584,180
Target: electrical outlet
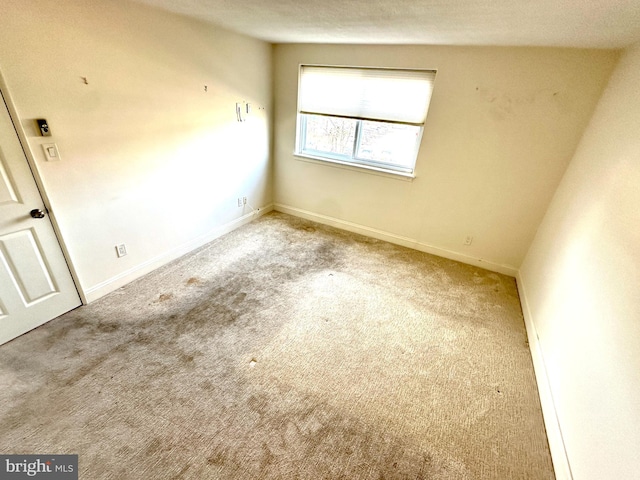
x,y
468,239
240,201
121,250
244,200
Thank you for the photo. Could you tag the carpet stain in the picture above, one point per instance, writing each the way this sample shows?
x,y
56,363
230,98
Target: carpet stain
x,y
182,473
93,366
154,447
142,338
108,327
216,459
207,385
185,358
267,458
258,403
375,362
238,298
207,318
324,438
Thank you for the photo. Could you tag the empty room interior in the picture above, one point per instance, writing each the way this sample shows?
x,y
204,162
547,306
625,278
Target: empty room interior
x,y
216,262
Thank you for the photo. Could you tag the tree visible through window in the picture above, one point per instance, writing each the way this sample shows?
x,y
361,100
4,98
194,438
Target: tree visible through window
x,y
329,134
365,117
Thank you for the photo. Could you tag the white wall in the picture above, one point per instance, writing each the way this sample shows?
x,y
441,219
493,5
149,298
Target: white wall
x,y
581,288
502,127
148,157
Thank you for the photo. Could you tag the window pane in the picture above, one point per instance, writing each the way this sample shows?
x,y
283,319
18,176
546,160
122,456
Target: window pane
x,y
388,143
330,135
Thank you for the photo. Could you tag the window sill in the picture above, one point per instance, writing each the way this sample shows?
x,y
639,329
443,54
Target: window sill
x,y
408,177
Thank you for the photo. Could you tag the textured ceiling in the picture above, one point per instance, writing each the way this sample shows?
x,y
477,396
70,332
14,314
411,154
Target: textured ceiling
x,y
560,23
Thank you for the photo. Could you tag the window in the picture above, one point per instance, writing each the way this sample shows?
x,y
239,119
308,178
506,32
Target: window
x,y
367,117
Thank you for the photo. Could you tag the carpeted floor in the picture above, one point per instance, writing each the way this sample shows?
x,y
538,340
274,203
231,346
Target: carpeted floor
x,y
285,350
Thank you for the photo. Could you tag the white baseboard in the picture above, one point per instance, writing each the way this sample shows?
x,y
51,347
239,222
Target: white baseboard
x,y
397,239
138,271
554,433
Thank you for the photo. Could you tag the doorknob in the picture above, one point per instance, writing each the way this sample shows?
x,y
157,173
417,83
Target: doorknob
x,y
37,213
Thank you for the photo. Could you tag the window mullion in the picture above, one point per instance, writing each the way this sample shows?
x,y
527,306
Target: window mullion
x,y
303,132
357,138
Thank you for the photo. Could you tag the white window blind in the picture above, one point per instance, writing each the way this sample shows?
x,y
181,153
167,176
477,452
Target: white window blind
x,y
392,95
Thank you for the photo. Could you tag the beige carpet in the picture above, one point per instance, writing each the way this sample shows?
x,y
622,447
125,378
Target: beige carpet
x,y
285,350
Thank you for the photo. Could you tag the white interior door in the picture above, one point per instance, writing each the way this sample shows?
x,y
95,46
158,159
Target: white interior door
x,y
35,282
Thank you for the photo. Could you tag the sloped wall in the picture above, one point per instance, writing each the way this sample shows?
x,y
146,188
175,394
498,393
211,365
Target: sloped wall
x,y
581,288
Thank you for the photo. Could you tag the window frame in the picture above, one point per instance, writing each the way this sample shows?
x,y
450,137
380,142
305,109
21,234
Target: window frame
x,y
353,160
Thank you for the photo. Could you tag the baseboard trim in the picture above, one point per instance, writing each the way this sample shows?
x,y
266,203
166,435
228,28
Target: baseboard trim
x,y
397,239
559,456
108,286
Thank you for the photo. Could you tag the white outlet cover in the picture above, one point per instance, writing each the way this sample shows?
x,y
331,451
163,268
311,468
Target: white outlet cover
x,y
121,250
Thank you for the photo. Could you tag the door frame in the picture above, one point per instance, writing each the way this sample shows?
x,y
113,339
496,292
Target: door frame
x,y
19,127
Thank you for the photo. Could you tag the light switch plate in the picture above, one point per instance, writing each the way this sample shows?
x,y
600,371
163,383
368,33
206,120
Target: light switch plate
x,y
51,153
